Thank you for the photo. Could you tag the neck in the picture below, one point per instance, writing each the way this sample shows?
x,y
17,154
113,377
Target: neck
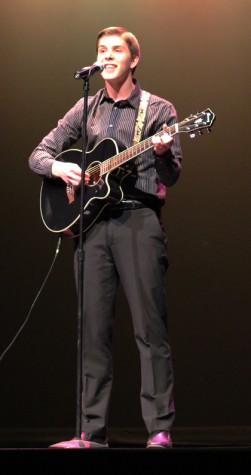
x,y
120,90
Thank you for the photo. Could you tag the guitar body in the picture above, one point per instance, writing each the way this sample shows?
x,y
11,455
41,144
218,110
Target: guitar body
x,y
60,204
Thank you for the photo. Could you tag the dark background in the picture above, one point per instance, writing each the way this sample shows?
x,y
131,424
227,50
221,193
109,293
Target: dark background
x,y
197,55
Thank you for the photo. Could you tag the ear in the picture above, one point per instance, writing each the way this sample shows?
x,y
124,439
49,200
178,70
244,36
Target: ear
x,y
134,62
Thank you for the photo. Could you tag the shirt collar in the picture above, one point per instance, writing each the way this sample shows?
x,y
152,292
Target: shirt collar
x,y
133,100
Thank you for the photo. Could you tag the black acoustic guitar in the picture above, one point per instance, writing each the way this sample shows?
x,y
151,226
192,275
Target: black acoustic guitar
x,y
60,204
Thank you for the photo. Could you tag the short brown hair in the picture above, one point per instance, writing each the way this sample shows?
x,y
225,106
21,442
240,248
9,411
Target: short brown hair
x,y
126,35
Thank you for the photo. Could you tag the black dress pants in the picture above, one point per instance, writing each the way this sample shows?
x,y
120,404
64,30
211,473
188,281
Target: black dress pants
x,y
127,247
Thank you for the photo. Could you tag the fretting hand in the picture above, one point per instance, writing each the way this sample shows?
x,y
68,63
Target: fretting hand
x,y
163,143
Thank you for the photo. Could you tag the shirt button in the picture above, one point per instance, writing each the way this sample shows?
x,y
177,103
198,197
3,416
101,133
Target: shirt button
x,y
111,125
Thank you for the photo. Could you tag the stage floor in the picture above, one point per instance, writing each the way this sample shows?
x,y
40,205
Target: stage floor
x,y
119,461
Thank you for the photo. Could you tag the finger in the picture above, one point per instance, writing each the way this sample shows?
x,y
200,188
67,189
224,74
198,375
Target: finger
x,y
166,138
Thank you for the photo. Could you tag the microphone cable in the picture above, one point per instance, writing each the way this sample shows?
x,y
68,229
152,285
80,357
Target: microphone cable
x,y
32,306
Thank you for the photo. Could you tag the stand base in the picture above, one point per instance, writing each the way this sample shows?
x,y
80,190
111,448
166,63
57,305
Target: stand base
x,y
78,444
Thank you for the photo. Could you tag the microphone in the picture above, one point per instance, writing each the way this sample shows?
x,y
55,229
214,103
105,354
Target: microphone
x,y
89,70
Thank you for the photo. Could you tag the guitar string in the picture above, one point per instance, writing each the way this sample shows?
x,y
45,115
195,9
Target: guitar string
x,y
130,152
125,155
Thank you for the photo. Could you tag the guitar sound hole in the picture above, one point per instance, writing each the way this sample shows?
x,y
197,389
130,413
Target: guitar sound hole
x,y
94,170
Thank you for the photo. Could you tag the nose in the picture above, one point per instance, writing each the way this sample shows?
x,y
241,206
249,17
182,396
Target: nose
x,y
109,54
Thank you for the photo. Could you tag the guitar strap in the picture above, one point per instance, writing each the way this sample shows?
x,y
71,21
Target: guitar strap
x,y
141,116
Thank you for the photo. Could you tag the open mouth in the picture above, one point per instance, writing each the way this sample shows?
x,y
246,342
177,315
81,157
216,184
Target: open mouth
x,y
110,67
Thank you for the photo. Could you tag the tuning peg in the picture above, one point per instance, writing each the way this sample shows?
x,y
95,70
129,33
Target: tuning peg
x,y
191,136
209,130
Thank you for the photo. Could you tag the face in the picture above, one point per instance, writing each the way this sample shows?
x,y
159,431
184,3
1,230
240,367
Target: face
x,y
116,57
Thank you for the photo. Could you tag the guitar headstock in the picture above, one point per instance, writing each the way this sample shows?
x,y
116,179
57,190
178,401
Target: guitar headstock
x,y
198,122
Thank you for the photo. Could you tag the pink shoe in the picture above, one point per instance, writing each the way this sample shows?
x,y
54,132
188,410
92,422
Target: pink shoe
x,y
161,440
79,444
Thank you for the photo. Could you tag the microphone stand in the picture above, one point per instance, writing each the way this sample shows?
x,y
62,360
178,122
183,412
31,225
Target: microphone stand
x,y
80,260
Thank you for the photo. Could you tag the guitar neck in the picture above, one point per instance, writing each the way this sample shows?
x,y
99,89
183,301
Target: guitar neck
x,y
192,124
114,162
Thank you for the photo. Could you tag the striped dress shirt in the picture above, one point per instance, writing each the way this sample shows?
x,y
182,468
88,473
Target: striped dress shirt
x,y
109,119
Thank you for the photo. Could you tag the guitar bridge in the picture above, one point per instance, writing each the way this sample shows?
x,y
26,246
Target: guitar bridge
x,y
70,193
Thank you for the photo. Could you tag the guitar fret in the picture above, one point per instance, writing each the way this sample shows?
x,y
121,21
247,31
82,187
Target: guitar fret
x,y
114,162
132,152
